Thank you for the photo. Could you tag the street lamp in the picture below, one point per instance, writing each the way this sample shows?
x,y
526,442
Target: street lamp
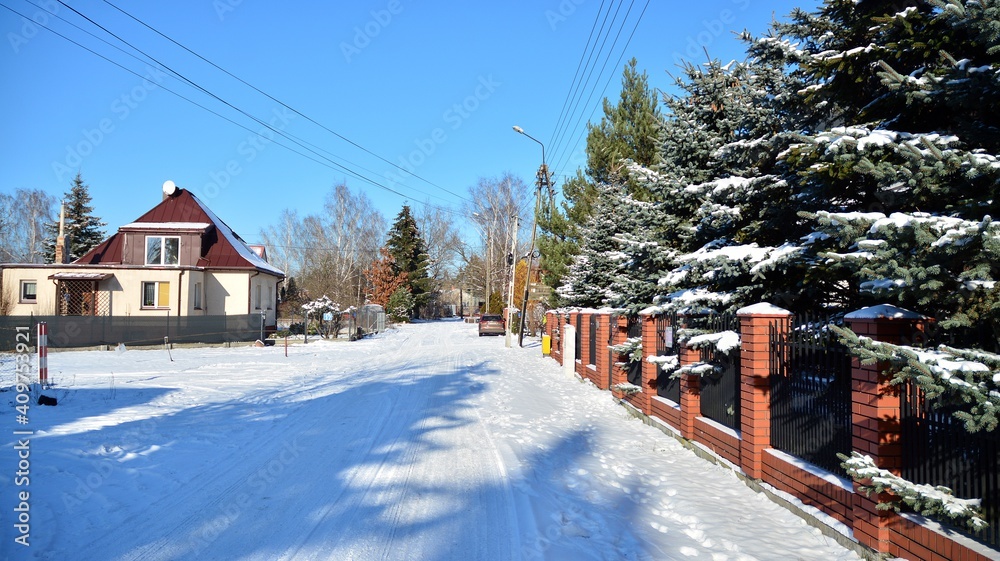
x,y
543,180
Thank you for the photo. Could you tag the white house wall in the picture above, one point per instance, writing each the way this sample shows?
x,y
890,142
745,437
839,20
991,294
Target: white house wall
x,y
229,293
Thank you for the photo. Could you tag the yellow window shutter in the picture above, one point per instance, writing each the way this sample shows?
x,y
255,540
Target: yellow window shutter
x,y
163,298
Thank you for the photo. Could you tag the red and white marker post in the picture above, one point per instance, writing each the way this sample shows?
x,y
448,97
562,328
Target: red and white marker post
x,y
43,353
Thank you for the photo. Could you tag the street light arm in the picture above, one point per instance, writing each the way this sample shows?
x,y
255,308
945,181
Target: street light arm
x,y
519,130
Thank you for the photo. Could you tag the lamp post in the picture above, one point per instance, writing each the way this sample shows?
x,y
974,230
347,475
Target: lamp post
x,y
512,263
543,181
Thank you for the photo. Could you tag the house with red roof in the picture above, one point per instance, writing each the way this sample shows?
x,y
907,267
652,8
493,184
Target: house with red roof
x,y
178,259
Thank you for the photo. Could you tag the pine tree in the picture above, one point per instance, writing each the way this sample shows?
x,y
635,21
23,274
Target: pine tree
x,y
85,231
409,251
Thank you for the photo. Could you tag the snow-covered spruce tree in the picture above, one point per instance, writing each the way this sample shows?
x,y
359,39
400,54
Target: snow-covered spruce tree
x,y
628,131
589,278
643,259
726,204
901,179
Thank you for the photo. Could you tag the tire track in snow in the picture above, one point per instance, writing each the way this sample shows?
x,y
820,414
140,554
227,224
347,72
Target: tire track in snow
x,y
215,502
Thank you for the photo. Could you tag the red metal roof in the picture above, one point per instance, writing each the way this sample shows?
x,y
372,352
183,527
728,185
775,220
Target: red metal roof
x,y
217,248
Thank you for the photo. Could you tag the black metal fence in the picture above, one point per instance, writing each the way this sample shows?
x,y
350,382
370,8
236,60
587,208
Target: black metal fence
x,y
634,372
810,393
578,354
592,347
937,450
666,345
720,388
91,331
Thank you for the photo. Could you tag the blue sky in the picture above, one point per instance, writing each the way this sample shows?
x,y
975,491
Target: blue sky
x,y
431,88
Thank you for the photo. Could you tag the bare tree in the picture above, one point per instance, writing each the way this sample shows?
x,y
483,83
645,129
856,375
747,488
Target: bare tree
x,y
497,205
328,252
23,218
437,228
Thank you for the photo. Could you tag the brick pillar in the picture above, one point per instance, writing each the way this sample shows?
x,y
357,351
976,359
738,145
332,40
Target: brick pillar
x,y
690,387
603,358
555,332
755,382
643,401
875,413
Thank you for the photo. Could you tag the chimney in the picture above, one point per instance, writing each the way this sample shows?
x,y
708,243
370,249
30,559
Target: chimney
x,y
62,244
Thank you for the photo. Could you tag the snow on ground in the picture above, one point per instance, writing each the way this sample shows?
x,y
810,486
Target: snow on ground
x,y
424,443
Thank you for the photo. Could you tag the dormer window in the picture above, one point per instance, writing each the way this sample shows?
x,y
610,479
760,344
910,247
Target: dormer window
x,y
163,250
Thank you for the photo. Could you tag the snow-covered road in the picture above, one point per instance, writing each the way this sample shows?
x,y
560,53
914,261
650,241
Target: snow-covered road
x,y
424,443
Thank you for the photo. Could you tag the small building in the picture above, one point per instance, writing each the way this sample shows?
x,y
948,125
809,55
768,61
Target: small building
x,y
178,259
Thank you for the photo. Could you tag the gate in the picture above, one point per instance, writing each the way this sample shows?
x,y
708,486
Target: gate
x,y
666,345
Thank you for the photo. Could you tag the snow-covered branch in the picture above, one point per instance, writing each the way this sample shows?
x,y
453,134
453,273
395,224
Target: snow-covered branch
x,y
928,500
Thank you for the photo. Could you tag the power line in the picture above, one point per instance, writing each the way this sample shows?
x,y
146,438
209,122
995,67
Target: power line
x,y
561,132
328,161
610,77
283,104
576,74
599,74
288,136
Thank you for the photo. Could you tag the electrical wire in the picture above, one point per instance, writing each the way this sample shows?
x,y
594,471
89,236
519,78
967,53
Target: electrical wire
x,y
329,162
576,75
608,82
590,97
283,104
302,143
560,133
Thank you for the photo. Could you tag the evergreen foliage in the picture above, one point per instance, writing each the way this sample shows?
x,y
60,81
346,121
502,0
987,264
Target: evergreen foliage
x,y
852,159
408,249
934,501
627,132
85,231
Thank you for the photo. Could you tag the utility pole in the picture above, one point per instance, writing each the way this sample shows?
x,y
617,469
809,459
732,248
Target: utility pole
x,y
512,262
543,182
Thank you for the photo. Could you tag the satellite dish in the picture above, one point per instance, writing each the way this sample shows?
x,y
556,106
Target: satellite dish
x,y
169,188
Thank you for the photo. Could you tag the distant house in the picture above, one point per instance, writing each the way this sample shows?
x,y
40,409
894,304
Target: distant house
x,y
178,259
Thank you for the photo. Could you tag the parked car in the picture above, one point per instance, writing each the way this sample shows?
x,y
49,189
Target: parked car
x,y
492,324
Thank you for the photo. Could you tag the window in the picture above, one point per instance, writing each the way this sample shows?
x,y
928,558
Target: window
x,y
29,291
156,295
270,296
256,297
162,250
197,296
